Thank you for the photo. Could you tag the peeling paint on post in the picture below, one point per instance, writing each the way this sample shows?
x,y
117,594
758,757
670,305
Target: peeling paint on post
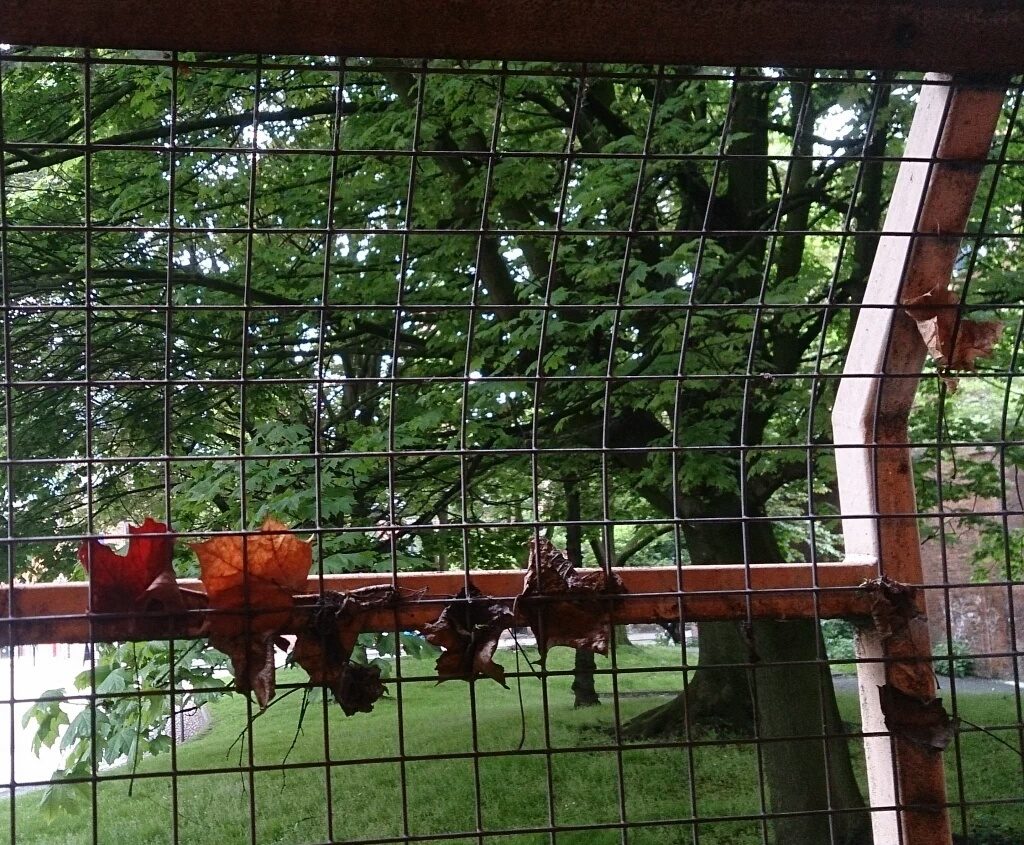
x,y
947,146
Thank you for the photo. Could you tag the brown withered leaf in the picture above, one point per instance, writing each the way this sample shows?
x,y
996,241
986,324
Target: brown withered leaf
x,y
359,688
257,576
564,605
893,605
935,313
324,649
924,722
468,630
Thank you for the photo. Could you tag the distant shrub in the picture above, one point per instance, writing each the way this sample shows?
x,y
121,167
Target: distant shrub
x,y
958,657
838,635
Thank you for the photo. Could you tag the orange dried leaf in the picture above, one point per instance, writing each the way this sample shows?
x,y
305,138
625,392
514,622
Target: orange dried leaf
x,y
259,570
258,574
952,343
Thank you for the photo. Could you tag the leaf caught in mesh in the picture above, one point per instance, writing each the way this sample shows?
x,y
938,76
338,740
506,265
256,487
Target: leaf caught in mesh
x,y
936,314
359,688
256,575
324,649
468,630
119,583
140,581
924,722
564,605
893,605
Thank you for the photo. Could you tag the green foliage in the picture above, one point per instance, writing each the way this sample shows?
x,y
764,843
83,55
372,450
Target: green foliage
x,y
954,661
131,715
360,412
838,635
411,430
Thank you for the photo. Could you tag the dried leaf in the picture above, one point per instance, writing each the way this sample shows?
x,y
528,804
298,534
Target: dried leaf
x,y
935,313
258,575
924,722
468,630
893,605
120,583
359,688
324,649
896,610
564,605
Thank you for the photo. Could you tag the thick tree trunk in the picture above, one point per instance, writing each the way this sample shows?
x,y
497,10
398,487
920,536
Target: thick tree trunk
x,y
761,680
622,636
810,774
718,698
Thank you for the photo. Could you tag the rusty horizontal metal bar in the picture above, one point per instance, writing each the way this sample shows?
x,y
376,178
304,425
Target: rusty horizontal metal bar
x,y
45,613
980,36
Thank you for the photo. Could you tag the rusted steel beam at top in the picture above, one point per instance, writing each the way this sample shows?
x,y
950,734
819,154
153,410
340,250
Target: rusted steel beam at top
x,y
45,613
977,36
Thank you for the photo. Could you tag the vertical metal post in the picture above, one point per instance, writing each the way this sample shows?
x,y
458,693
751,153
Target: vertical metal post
x,y
946,149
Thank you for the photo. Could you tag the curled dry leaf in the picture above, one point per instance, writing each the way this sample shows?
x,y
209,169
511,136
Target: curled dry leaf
x,y
893,605
936,313
924,722
468,630
564,605
140,581
324,649
258,576
897,613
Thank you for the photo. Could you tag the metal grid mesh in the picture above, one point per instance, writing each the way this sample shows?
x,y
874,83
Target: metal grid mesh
x,y
429,311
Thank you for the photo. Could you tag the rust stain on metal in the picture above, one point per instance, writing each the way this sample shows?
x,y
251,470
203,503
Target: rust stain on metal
x,y
915,717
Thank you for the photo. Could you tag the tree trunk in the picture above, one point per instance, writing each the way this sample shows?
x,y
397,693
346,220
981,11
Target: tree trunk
x,y
796,701
583,686
769,665
583,679
622,636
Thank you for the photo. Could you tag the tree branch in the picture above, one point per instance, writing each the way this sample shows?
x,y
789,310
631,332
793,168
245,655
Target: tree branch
x,y
162,131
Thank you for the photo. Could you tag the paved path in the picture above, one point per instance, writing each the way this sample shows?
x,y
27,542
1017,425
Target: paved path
x,y
964,686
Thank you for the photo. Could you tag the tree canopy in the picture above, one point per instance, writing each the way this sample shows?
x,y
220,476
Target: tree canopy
x,y
434,303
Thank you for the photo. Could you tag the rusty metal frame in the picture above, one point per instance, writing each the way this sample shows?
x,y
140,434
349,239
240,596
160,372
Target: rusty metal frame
x,y
949,142
44,613
956,35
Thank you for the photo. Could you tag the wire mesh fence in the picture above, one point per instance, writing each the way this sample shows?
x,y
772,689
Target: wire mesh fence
x,y
454,320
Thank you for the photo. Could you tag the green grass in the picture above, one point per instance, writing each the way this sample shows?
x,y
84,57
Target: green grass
x,y
213,804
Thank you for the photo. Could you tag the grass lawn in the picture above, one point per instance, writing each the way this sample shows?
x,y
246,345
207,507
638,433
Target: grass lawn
x,y
658,784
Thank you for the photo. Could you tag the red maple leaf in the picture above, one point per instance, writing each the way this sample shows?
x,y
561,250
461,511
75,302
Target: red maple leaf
x,y
120,583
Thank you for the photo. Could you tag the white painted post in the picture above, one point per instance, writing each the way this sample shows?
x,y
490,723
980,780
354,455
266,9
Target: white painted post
x,y
853,423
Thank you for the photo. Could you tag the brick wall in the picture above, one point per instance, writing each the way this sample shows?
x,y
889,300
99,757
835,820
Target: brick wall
x,y
980,612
